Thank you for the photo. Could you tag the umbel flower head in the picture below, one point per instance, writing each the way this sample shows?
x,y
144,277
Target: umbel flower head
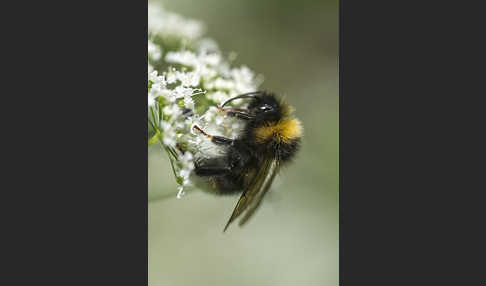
x,y
188,77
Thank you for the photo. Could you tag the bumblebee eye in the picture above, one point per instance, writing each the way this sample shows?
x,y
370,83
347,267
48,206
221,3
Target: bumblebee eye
x,y
265,108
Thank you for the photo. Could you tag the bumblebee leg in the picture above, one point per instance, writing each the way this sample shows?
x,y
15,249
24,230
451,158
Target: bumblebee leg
x,y
219,140
239,115
211,170
237,112
213,167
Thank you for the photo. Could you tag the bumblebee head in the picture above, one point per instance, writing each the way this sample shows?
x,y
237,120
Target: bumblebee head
x,y
264,107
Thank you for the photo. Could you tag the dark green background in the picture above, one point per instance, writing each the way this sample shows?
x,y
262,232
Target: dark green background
x,y
293,239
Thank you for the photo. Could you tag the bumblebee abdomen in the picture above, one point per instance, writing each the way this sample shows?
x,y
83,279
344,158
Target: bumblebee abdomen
x,y
234,182
286,151
228,185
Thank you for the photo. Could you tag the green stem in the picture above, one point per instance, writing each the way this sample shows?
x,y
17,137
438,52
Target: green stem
x,y
157,120
154,138
174,153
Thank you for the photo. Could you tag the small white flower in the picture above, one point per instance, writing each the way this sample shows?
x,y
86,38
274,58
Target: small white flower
x,y
188,102
180,192
154,51
184,173
187,160
186,58
151,100
189,78
221,83
171,77
171,110
211,59
154,77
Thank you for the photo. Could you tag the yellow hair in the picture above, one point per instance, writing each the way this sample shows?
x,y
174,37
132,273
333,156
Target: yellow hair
x,y
284,130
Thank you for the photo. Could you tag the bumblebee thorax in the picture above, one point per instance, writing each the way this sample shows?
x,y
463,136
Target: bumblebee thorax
x,y
282,131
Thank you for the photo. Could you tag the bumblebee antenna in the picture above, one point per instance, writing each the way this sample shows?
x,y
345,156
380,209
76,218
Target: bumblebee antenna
x,y
244,95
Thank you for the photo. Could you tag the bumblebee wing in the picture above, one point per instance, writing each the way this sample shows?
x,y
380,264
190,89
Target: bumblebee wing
x,y
252,191
255,203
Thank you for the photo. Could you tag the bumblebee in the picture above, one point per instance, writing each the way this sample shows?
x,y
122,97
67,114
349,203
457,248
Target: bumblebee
x,y
270,139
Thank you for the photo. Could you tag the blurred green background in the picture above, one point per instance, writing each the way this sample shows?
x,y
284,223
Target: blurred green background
x,y
293,238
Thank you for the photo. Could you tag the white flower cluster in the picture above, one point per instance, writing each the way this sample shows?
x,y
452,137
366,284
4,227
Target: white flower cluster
x,y
188,90
218,78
